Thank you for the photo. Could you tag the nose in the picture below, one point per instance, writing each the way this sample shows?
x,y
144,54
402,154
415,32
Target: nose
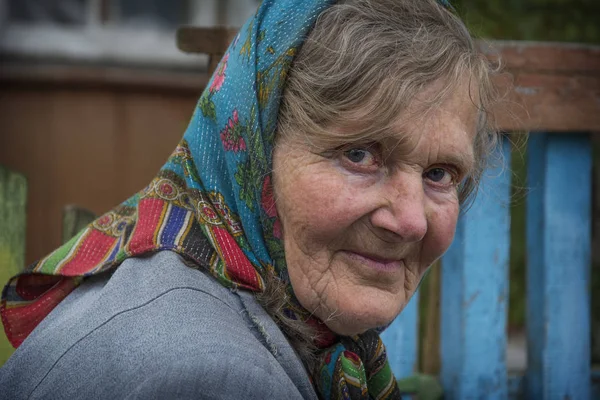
x,y
403,213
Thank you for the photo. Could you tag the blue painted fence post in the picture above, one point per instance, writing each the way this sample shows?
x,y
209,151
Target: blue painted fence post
x,y
475,292
401,341
559,256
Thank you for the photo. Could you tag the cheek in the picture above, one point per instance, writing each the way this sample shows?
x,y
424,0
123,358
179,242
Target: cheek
x,y
316,207
442,227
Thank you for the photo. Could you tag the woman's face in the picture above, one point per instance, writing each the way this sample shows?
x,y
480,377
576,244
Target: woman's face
x,y
362,222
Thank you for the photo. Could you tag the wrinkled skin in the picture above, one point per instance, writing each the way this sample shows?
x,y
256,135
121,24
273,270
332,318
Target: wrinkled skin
x,y
363,222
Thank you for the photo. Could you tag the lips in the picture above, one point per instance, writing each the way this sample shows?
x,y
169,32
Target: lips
x,y
374,261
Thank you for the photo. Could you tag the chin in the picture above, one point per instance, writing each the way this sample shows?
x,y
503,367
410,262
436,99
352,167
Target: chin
x,y
359,316
351,326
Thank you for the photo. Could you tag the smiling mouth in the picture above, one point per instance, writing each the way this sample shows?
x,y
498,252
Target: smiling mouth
x,y
374,262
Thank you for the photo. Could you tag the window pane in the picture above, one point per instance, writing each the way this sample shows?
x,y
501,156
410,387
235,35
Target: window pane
x,y
62,12
165,14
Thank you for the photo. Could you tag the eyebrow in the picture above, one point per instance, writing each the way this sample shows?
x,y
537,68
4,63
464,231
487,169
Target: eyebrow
x,y
464,160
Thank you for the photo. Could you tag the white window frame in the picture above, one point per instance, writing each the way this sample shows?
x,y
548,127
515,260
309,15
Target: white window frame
x,y
95,43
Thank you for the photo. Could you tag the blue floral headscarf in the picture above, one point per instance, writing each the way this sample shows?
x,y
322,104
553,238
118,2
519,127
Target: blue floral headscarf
x,y
212,202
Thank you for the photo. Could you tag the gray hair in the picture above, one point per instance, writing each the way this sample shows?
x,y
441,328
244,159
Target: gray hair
x,y
375,56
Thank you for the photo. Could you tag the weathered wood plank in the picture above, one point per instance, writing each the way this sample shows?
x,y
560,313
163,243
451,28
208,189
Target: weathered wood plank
x,y
547,86
536,101
90,77
595,273
75,219
554,86
516,387
558,270
549,57
211,41
565,58
94,133
401,340
430,347
191,39
595,384
475,293
13,202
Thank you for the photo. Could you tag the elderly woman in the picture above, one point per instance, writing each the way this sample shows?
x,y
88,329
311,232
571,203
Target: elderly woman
x,y
321,175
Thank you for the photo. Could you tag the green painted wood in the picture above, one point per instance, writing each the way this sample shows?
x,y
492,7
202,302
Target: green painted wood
x,y
75,218
13,203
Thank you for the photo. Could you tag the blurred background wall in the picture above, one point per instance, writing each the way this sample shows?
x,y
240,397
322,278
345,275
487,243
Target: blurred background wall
x,y
95,95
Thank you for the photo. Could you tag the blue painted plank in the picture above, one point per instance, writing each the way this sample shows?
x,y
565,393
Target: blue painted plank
x,y
558,270
595,384
475,293
401,341
516,386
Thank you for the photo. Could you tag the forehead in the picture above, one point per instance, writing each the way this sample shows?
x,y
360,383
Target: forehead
x,y
444,102
445,126
445,113
456,97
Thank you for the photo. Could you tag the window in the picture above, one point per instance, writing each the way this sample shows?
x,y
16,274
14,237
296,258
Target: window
x,y
140,32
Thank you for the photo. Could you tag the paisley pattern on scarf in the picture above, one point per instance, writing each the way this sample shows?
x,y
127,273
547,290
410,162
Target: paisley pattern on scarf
x,y
212,203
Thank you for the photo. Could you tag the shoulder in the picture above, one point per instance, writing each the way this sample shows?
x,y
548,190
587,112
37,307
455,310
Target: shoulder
x,y
245,375
156,326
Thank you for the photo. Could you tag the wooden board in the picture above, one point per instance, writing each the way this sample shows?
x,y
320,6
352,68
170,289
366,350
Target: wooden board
x,y
43,76
75,218
475,293
559,256
191,39
545,86
402,341
93,147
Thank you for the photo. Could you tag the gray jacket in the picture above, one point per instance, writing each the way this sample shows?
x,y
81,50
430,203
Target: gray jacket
x,y
156,329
